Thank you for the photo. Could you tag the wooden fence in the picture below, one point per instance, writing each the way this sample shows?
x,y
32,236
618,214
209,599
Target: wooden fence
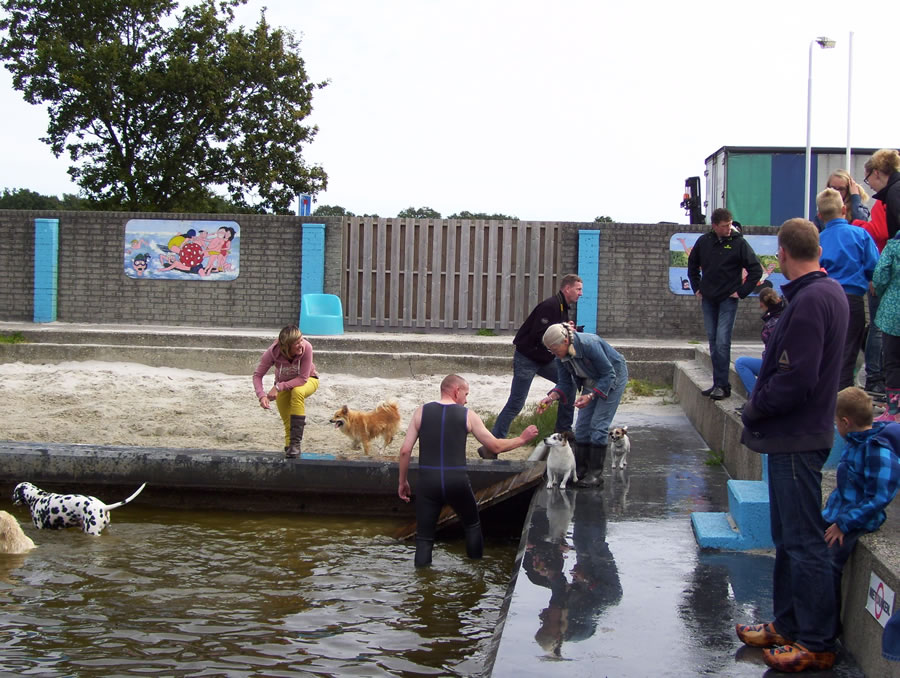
x,y
445,274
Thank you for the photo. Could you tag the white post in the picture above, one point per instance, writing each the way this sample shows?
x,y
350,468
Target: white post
x,y
808,118
849,99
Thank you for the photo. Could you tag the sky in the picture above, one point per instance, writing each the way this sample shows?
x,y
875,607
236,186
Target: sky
x,y
552,111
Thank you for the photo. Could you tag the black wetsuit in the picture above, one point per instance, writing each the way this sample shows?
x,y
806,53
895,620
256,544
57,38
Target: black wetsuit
x,y
443,479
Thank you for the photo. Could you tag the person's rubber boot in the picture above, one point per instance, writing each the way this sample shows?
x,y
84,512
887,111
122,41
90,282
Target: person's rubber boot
x,y
298,423
892,413
597,459
581,452
474,541
423,552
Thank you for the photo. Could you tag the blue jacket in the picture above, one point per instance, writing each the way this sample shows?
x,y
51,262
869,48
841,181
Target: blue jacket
x,y
849,255
868,477
596,360
791,408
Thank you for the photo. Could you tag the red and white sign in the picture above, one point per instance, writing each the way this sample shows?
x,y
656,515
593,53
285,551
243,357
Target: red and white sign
x,y
880,600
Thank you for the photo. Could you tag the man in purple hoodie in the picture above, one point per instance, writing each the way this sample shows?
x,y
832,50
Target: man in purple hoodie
x,y
790,417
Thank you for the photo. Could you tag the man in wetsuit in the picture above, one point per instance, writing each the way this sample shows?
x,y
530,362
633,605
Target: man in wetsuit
x,y
441,427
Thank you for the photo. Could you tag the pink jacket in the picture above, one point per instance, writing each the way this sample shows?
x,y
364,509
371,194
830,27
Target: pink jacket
x,y
288,373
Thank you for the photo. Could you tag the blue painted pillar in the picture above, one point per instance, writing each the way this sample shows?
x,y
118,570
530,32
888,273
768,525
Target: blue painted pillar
x,y
46,261
312,267
589,272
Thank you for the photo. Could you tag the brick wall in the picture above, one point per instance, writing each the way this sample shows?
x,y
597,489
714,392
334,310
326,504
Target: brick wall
x,y
634,298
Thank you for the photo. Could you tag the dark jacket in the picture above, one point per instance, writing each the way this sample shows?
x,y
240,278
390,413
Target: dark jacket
x,y
528,339
791,408
890,196
722,262
770,319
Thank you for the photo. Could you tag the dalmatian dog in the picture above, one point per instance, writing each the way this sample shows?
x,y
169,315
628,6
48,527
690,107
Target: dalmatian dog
x,y
53,511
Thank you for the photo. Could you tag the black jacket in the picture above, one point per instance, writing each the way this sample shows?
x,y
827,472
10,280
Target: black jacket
x,y
890,196
722,262
528,342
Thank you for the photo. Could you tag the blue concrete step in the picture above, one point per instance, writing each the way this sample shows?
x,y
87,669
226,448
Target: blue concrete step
x,y
745,526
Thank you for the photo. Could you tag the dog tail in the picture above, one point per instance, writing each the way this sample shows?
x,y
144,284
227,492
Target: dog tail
x,y
110,507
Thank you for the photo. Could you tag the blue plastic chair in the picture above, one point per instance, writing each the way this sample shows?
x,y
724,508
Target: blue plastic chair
x,y
321,314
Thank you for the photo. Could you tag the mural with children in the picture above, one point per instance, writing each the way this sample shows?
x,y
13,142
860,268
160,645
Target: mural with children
x,y
182,249
765,246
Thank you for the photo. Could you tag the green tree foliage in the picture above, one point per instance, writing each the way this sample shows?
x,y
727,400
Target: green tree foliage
x,y
603,220
25,199
159,111
420,213
332,211
482,215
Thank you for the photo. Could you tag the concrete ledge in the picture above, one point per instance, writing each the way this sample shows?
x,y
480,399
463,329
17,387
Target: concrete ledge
x,y
193,479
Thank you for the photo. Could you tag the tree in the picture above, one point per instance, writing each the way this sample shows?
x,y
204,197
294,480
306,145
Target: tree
x,y
332,211
482,215
420,213
603,220
25,199
157,114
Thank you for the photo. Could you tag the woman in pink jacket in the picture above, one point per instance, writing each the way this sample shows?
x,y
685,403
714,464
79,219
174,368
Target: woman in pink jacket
x,y
295,380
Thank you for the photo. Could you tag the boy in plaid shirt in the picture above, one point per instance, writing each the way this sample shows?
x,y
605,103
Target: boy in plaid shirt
x,y
868,477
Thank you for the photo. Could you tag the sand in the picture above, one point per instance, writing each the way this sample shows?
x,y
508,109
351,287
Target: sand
x,y
105,403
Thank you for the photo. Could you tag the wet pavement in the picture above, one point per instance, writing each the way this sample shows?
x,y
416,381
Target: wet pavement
x,y
612,582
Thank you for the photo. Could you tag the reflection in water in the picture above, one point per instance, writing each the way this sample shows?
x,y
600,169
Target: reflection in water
x,y
578,597
245,594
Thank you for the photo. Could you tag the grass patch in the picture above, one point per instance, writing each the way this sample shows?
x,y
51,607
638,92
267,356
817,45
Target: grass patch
x,y
693,341
13,338
486,332
545,421
714,458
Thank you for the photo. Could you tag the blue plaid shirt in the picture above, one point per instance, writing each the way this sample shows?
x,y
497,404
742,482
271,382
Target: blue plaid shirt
x,y
868,476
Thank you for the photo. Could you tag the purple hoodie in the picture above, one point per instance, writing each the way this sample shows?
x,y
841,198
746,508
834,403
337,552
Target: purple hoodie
x,y
288,373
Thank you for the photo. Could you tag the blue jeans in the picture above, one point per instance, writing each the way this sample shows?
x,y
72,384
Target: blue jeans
x,y
874,373
803,586
595,417
747,369
524,371
718,318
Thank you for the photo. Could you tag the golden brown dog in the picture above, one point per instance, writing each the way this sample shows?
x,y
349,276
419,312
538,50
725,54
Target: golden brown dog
x,y
364,427
12,538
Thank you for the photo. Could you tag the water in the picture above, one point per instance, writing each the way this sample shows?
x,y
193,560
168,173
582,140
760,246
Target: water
x,y
180,593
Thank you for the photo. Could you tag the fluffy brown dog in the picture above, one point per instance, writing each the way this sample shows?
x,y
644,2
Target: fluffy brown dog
x,y
12,538
364,427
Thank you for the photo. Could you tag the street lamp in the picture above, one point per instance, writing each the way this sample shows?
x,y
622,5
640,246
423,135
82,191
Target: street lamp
x,y
824,43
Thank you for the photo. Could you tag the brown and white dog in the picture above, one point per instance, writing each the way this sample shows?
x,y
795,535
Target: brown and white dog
x,y
12,539
621,446
364,427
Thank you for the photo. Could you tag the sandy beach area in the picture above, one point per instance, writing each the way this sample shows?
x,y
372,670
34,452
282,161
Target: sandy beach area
x,y
105,403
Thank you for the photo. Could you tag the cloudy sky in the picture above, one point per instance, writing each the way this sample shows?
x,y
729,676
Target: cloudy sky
x,y
553,111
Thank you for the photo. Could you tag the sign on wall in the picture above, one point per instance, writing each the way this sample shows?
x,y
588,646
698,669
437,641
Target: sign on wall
x,y
182,249
765,246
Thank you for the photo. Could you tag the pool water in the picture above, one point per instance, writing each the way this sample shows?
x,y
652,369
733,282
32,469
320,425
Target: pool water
x,y
165,592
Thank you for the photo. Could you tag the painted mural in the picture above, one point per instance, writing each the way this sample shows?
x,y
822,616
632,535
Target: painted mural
x,y
765,246
182,249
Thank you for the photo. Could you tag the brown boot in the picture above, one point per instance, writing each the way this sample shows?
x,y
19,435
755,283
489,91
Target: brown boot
x,y
298,423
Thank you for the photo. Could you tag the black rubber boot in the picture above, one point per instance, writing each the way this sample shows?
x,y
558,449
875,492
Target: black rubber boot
x,y
581,452
423,552
298,423
474,541
594,476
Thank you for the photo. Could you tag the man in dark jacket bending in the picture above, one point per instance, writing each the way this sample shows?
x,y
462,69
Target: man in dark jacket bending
x,y
532,358
790,417
715,269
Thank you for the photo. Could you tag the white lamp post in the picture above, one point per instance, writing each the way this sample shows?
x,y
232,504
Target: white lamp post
x,y
824,43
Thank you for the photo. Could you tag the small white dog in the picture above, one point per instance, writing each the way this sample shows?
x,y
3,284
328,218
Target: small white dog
x,y
12,539
560,459
621,446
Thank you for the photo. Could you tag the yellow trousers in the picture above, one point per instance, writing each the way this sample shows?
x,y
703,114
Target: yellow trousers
x,y
293,402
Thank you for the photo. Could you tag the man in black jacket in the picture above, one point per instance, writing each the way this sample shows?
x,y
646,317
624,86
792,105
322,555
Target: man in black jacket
x,y
715,269
532,358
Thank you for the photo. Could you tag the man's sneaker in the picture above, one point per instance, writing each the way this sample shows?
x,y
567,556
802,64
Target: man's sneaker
x,y
705,393
795,658
760,635
718,393
485,454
